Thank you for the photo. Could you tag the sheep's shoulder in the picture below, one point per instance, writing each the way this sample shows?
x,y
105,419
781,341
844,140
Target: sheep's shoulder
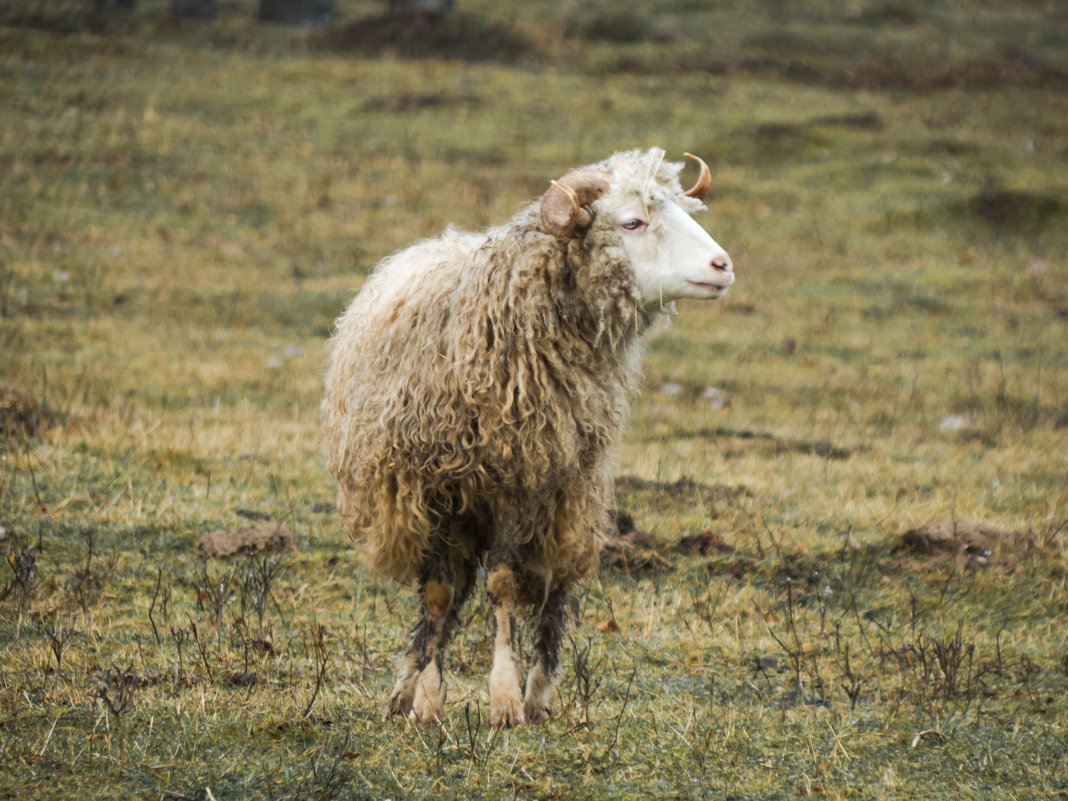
x,y
424,267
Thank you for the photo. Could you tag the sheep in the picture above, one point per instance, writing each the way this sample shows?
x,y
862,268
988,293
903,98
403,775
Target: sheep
x,y
475,392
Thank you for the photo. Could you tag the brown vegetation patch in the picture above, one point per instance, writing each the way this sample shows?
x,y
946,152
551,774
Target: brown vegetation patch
x,y
138,680
421,34
739,442
633,551
862,121
967,545
887,14
796,58
773,140
705,542
244,541
659,497
682,489
685,488
246,678
795,567
21,416
407,102
1014,209
617,28
973,545
747,441
1008,67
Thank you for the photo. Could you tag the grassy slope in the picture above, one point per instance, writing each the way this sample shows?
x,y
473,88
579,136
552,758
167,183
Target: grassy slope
x,y
183,211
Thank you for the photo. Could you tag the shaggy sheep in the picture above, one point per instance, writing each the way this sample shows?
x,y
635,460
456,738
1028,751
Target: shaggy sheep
x,y
476,388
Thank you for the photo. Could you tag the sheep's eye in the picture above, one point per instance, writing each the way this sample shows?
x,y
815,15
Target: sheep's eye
x,y
633,225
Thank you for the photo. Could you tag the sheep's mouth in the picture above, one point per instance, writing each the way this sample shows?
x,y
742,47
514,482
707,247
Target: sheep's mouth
x,y
716,289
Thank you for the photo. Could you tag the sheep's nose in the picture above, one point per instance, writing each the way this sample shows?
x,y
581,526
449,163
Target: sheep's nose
x,y
721,264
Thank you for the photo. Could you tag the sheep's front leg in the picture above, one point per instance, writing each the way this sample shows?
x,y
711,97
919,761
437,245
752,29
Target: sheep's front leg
x,y
506,705
548,635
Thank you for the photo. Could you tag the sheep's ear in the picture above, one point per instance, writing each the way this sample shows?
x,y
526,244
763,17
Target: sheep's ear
x,y
562,209
704,181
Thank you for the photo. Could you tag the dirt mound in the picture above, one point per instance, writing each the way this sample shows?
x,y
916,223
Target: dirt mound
x,y
247,540
974,545
634,551
705,542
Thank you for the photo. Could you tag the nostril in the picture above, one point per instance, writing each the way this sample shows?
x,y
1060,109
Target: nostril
x,y
721,264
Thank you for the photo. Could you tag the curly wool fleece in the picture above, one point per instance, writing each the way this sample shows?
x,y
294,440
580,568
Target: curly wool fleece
x,y
483,377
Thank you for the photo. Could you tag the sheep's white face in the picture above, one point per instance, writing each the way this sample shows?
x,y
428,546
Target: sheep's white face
x,y
672,255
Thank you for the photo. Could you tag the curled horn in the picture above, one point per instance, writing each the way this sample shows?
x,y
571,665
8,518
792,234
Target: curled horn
x,y
562,205
704,181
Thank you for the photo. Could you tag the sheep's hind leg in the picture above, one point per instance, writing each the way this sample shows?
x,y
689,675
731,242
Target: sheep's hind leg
x,y
429,698
506,705
548,634
430,685
420,690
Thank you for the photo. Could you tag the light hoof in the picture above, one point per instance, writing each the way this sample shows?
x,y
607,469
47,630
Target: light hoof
x,y
506,704
535,712
429,697
415,718
506,713
541,690
400,703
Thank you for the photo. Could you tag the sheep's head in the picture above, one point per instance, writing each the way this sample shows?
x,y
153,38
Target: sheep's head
x,y
638,196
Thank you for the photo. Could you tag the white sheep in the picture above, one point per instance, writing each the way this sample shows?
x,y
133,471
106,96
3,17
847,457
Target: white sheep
x,y
475,391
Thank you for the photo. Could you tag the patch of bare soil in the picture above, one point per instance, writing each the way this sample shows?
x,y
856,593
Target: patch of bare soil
x,y
638,552
741,443
247,540
705,542
634,551
972,545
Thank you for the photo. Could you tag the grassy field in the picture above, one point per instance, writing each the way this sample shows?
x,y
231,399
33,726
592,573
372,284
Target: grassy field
x,y
847,574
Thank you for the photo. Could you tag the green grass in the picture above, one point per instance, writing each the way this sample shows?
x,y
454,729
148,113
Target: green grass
x,y
184,210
